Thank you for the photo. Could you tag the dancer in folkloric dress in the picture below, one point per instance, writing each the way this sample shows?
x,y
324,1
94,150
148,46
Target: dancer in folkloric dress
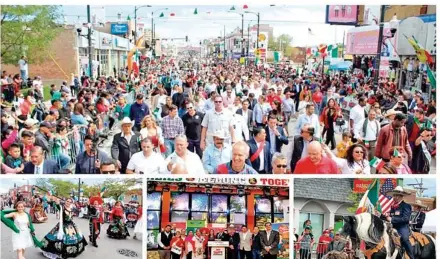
x,y
117,228
65,239
20,222
96,218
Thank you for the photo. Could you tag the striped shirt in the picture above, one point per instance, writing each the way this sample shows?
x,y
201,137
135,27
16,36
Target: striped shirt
x,y
171,127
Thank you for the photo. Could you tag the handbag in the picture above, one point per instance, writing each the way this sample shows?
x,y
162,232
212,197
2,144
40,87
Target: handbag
x,y
175,249
340,121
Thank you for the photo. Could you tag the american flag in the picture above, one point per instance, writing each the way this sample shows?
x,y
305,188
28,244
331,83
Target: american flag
x,y
386,201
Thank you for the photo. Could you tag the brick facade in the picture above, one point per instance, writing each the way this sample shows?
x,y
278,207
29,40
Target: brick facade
x,y
64,52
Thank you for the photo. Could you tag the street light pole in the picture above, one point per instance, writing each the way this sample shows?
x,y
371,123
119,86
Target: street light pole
x,y
258,33
79,188
379,46
242,35
89,39
224,42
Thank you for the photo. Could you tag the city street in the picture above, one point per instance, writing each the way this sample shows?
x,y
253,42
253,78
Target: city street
x,y
108,248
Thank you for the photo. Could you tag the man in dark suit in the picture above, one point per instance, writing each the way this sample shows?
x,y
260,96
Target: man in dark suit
x,y
252,101
125,144
259,152
297,88
39,165
275,135
300,144
399,216
246,113
269,241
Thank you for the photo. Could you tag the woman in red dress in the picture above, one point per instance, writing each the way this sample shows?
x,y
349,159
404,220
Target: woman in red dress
x,y
177,246
117,228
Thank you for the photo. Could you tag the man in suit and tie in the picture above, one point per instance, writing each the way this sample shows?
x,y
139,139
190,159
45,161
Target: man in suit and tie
x,y
39,165
300,144
269,241
246,113
125,144
259,152
252,101
275,135
245,243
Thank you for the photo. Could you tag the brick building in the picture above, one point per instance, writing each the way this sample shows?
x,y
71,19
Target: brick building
x,y
405,11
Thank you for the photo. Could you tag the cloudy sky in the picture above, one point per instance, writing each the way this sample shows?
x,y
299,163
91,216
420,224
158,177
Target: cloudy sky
x,y
210,21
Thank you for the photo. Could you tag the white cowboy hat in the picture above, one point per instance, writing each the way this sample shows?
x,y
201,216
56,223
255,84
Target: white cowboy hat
x,y
418,203
127,120
219,134
398,191
391,112
30,122
244,78
228,81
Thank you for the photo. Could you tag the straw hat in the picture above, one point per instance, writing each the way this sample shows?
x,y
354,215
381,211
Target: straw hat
x,y
221,134
398,191
418,203
127,120
391,112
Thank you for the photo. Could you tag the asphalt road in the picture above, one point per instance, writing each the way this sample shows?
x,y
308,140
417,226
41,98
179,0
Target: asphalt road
x,y
108,248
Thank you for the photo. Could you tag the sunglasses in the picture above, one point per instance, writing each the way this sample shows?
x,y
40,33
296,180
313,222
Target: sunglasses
x,y
218,101
358,152
108,172
189,108
281,166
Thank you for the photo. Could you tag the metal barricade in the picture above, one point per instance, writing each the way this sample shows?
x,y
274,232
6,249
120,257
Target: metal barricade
x,y
303,250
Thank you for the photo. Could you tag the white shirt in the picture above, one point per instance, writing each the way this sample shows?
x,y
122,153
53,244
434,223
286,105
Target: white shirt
x,y
159,238
23,65
356,168
39,168
261,156
192,162
128,137
153,164
240,127
371,132
245,115
268,234
214,121
357,114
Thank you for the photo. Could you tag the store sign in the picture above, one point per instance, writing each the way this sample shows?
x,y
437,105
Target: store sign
x,y
106,41
361,185
276,182
342,14
116,28
363,41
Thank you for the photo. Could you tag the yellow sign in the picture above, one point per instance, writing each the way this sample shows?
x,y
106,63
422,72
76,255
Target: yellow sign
x,y
257,52
262,37
242,60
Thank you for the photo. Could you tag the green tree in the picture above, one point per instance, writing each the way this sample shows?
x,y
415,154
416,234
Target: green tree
x,y
28,30
44,184
63,188
91,190
272,44
116,188
355,198
283,42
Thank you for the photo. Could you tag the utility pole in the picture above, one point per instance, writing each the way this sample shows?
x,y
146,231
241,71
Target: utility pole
x,y
242,35
258,33
89,39
249,40
224,42
379,46
79,188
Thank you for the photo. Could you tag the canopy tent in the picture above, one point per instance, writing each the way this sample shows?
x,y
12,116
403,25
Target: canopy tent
x,y
430,221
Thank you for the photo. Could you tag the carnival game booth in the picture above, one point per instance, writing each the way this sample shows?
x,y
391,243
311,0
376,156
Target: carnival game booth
x,y
216,203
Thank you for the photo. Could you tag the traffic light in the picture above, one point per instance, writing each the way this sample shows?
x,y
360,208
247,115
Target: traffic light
x,y
186,38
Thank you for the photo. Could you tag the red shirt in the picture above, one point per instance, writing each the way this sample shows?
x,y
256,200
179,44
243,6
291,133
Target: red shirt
x,y
415,132
323,244
101,108
272,98
326,166
25,107
317,97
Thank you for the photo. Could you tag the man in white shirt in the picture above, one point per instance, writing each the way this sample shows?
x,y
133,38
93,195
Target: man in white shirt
x,y
367,131
357,116
308,118
146,161
23,65
240,126
183,157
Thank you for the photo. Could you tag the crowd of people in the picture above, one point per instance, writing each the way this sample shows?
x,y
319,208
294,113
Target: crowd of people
x,y
218,117
244,244
65,239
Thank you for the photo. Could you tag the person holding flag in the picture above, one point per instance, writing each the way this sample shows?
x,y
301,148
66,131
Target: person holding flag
x,y
396,165
399,216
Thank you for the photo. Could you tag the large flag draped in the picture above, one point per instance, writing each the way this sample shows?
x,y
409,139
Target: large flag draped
x,y
375,198
386,201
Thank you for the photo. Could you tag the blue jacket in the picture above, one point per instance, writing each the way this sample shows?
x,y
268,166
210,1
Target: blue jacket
x,y
279,141
267,156
400,216
138,112
49,167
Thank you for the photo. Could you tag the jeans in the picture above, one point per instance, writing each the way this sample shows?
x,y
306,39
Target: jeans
x,y
194,146
256,254
63,161
23,74
169,144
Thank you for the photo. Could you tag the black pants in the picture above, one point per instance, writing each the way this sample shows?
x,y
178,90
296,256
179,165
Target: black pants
x,y
329,137
175,256
194,146
247,254
189,255
93,236
269,256
233,253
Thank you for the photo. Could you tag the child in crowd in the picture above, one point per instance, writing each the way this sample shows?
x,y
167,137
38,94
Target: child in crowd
x,y
343,146
14,159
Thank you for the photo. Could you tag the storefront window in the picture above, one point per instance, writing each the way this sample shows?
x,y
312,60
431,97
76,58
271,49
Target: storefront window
x,y
179,216
199,215
153,218
268,210
219,203
317,222
180,201
199,202
104,61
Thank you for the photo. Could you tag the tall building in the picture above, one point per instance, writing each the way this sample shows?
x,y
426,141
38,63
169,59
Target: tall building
x,y
405,11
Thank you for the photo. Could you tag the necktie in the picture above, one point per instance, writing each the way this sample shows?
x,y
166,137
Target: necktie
x,y
38,170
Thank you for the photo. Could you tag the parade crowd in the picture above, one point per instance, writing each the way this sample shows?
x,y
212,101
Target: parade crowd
x,y
212,116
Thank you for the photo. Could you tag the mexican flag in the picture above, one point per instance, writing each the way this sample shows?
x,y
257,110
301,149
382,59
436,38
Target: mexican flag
x,y
103,189
370,201
377,163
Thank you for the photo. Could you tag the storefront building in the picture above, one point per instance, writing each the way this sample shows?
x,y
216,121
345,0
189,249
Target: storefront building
x,y
217,202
